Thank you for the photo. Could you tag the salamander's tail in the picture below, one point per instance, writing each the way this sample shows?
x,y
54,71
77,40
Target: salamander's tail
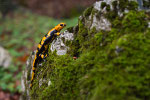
x,y
33,71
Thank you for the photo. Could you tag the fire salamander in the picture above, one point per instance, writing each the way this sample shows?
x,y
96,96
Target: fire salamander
x,y
42,49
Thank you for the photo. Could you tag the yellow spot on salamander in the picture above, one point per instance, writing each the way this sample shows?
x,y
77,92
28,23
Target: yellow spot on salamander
x,y
32,75
34,60
42,56
39,46
42,42
33,68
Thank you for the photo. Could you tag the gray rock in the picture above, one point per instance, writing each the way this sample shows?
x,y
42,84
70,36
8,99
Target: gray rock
x,y
41,81
97,5
5,58
59,44
101,23
148,24
25,79
49,82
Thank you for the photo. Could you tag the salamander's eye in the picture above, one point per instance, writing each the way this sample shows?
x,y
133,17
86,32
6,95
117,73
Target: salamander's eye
x,y
61,24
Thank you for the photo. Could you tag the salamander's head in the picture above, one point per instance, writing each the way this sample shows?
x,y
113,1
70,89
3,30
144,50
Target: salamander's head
x,y
60,26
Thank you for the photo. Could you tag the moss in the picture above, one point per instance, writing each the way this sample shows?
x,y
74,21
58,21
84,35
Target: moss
x,y
146,3
111,15
137,21
86,38
70,29
82,36
126,4
94,11
68,42
117,23
91,80
63,39
88,11
103,4
114,5
123,4
111,65
108,8
120,5
133,5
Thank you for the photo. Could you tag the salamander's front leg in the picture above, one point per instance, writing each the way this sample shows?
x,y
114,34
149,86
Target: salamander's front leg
x,y
57,34
43,56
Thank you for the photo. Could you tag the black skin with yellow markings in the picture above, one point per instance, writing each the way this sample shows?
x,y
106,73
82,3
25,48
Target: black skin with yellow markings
x,y
43,46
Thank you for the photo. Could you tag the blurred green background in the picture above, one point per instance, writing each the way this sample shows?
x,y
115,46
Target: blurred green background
x,y
22,25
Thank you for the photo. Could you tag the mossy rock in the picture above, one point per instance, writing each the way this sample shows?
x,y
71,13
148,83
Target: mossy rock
x,y
110,65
